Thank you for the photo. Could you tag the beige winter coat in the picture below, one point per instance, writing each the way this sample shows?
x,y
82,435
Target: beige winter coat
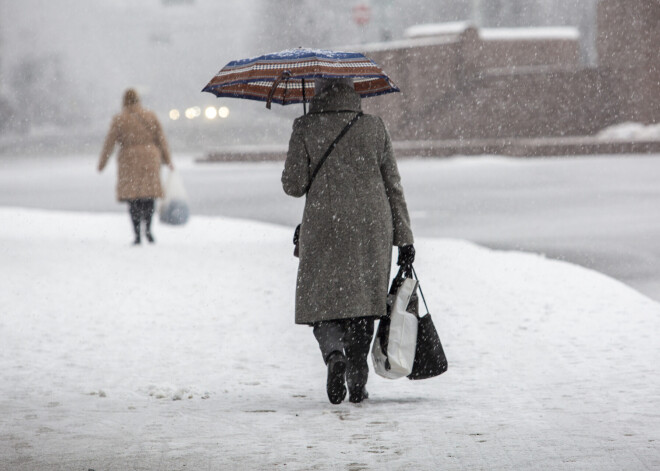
x,y
142,150
354,213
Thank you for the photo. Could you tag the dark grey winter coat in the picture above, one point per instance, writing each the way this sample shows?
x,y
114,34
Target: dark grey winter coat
x,y
354,213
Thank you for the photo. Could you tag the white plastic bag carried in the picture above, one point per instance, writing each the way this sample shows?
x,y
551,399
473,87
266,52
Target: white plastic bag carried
x,y
174,207
393,351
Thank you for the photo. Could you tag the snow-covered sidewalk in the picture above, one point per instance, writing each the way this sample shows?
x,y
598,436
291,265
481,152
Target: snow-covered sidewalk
x,y
184,355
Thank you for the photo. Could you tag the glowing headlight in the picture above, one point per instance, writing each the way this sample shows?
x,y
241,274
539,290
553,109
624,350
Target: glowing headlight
x,y
211,113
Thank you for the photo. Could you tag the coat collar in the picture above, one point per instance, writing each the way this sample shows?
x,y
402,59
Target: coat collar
x,y
132,108
339,97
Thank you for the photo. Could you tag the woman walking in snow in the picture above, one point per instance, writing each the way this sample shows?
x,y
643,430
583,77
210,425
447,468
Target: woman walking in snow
x,y
142,150
355,211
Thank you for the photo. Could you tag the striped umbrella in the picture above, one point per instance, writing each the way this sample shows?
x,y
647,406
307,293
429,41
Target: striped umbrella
x,y
288,77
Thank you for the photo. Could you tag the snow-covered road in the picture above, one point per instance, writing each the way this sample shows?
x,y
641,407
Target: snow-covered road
x,y
600,212
184,355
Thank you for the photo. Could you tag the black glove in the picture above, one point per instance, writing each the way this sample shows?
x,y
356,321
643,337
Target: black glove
x,y
406,255
296,235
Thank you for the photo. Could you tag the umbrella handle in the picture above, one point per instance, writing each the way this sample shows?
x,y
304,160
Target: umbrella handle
x,y
286,75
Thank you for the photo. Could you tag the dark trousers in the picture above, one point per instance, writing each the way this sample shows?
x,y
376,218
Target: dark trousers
x,y
141,210
352,337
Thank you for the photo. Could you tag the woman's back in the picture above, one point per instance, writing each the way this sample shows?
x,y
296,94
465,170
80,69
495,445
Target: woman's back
x,y
354,210
136,126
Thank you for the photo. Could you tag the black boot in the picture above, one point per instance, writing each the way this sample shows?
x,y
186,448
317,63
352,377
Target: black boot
x,y
336,377
358,395
134,210
360,332
147,214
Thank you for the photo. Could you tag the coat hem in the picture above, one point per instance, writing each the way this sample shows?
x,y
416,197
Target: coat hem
x,y
311,323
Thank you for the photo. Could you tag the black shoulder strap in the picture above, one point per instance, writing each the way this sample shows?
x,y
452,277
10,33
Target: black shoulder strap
x,y
332,146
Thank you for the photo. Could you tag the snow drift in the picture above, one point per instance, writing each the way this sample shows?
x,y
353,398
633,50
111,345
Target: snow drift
x,y
185,354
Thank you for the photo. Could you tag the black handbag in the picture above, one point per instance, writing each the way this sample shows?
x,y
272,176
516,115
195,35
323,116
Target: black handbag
x,y
296,233
430,358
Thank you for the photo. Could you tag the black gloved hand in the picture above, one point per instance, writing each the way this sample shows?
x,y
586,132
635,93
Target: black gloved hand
x,y
406,255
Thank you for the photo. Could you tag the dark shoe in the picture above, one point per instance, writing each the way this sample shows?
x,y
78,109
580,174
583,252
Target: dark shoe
x,y
336,378
150,238
137,241
358,395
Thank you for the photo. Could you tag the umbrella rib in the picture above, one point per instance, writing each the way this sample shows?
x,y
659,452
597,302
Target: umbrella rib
x,y
265,80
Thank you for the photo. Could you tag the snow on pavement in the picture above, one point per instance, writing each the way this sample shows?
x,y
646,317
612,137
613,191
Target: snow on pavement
x,y
184,355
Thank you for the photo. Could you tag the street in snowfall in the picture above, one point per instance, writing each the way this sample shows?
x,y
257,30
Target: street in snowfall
x,y
540,271
184,355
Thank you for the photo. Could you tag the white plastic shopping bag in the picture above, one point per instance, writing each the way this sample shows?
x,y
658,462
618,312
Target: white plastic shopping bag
x,y
174,208
393,351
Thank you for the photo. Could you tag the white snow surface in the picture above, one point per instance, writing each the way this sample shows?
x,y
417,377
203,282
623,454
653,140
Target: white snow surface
x,y
493,34
432,29
184,355
631,131
541,32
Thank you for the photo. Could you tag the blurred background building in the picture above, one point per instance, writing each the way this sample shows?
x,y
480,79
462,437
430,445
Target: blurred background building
x,y
466,83
353,21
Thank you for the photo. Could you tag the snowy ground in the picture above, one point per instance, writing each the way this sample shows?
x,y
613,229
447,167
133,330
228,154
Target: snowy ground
x,y
184,355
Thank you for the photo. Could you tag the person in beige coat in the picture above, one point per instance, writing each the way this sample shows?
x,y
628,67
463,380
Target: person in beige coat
x,y
355,211
142,150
